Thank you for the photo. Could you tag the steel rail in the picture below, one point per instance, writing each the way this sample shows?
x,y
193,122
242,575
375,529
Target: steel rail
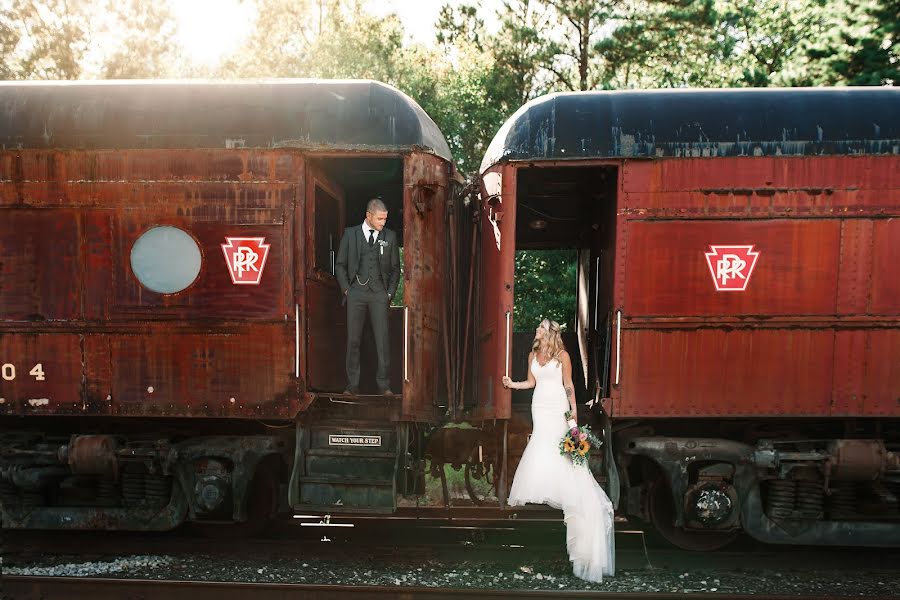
x,y
83,588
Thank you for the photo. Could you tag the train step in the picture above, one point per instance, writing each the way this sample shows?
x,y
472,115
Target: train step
x,y
350,464
313,509
348,481
342,493
354,452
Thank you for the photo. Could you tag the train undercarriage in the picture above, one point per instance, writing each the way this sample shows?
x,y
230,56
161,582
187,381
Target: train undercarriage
x,y
138,481
701,492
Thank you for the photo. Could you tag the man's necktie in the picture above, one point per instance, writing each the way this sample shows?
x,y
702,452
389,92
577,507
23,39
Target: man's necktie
x,y
371,237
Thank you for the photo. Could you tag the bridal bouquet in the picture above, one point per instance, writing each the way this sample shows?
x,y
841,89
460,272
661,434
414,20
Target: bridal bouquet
x,y
577,442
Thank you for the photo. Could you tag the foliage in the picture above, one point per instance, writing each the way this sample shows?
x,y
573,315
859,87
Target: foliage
x,y
72,39
545,288
143,46
456,487
44,39
859,48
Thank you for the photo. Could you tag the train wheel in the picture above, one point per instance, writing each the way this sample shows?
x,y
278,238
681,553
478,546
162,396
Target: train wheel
x,y
262,503
662,513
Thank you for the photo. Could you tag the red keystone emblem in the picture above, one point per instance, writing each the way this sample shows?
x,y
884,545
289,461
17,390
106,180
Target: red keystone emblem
x,y
246,259
731,266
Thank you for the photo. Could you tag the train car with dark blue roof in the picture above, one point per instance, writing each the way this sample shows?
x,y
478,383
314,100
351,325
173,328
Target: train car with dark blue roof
x,y
171,329
737,330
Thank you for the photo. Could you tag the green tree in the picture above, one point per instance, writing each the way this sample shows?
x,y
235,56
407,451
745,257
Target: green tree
x,y
72,39
143,46
861,46
280,42
44,39
545,288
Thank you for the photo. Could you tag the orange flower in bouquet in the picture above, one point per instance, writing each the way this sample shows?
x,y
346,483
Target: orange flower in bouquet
x,y
577,443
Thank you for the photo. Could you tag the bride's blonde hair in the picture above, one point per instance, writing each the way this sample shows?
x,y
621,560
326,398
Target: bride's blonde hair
x,y
552,345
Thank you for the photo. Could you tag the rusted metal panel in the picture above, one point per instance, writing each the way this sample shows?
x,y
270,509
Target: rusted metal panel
x,y
77,276
115,213
855,267
668,273
324,314
426,281
212,295
850,357
725,372
40,374
830,277
493,339
244,372
766,173
755,187
885,294
326,341
40,265
882,379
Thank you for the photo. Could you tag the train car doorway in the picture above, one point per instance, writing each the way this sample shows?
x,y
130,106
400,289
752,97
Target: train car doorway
x,y
337,191
564,241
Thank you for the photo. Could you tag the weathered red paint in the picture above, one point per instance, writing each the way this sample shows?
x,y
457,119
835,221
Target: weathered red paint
x,y
493,337
426,279
324,318
104,340
215,349
667,272
813,334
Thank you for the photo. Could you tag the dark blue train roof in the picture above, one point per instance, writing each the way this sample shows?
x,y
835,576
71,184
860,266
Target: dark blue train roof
x,y
720,122
321,114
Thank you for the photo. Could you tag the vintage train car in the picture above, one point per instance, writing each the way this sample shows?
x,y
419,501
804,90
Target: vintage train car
x,y
738,312
171,331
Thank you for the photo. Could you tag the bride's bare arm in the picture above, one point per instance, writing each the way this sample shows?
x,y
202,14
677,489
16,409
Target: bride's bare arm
x,y
521,385
567,382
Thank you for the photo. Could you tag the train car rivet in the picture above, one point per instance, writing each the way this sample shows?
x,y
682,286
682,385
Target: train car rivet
x,y
150,390
231,400
109,398
2,400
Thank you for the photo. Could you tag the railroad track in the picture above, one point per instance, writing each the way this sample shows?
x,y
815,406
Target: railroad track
x,y
66,588
422,559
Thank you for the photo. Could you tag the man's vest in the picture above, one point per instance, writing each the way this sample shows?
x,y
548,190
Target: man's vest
x,y
368,267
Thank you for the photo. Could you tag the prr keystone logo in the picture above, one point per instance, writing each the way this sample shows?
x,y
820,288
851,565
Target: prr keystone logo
x,y
731,266
246,259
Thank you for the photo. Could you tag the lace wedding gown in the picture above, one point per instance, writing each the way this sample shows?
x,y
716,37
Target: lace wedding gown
x,y
544,476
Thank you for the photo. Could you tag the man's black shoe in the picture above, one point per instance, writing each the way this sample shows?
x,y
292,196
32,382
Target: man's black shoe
x,y
387,392
351,392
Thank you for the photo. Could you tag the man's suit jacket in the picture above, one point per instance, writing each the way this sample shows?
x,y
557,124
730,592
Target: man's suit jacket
x,y
348,258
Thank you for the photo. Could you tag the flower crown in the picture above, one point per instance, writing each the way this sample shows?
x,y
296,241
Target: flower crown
x,y
551,325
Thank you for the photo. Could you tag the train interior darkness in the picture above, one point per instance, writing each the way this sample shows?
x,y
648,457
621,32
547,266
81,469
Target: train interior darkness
x,y
565,238
342,187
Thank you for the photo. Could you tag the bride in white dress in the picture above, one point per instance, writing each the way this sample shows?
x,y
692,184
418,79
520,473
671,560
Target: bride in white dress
x,y
544,476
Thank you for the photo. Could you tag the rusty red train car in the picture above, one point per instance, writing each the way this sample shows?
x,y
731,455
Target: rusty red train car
x,y
738,309
171,330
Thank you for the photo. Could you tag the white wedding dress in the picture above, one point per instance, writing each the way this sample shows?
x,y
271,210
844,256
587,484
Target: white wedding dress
x,y
544,476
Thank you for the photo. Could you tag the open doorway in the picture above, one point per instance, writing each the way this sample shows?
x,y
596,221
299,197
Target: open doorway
x,y
337,191
565,238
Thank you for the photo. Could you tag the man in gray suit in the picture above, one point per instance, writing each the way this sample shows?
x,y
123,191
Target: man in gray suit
x,y
368,271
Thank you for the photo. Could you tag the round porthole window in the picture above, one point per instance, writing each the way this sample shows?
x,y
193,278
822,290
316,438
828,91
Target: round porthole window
x,y
165,259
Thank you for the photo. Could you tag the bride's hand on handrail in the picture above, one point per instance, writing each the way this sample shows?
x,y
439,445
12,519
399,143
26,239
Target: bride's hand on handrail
x,y
507,382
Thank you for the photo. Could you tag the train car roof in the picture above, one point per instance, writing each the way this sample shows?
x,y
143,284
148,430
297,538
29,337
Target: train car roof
x,y
278,113
719,122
